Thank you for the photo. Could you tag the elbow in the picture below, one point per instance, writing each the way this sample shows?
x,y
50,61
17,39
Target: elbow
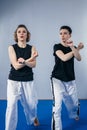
x,y
16,68
34,66
64,59
79,59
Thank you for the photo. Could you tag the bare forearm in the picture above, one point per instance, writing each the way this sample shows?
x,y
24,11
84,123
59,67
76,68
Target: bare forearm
x,y
30,63
18,65
68,56
64,57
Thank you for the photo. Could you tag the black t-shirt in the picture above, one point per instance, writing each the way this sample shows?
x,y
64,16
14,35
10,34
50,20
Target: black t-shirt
x,y
63,70
25,73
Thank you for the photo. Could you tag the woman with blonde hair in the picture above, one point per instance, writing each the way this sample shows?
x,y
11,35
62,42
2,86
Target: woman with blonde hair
x,y
20,85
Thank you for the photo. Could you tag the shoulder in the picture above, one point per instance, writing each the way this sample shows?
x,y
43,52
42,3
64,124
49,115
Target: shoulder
x,y
12,47
57,46
31,47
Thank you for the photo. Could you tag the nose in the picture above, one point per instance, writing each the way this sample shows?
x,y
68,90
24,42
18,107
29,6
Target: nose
x,y
21,33
62,36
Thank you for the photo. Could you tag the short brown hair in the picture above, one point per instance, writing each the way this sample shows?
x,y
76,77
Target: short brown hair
x,y
28,33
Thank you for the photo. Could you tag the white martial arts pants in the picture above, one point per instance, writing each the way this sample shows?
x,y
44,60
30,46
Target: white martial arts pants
x,y
67,92
26,93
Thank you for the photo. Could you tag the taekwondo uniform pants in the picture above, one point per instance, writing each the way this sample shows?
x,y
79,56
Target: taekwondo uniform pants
x,y
67,92
26,93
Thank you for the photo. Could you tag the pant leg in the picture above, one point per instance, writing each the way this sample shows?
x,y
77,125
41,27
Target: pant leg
x,y
57,92
70,98
29,101
11,111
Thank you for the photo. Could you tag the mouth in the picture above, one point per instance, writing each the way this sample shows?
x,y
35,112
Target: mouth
x,y
21,36
63,38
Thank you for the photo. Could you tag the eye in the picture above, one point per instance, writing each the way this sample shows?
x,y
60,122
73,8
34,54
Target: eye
x,y
19,31
65,32
60,33
24,31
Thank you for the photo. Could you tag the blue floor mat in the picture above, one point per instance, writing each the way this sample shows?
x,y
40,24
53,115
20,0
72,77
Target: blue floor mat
x,y
45,115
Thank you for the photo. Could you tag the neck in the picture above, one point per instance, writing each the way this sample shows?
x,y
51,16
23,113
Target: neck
x,y
64,44
22,44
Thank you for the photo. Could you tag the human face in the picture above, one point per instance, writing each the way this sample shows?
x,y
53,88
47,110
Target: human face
x,y
64,35
22,34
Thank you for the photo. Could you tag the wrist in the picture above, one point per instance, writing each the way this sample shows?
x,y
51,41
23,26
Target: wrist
x,y
23,62
72,47
72,53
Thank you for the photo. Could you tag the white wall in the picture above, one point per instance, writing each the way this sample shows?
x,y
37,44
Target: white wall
x,y
43,19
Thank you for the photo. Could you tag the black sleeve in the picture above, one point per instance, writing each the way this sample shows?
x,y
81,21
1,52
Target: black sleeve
x,y
56,48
